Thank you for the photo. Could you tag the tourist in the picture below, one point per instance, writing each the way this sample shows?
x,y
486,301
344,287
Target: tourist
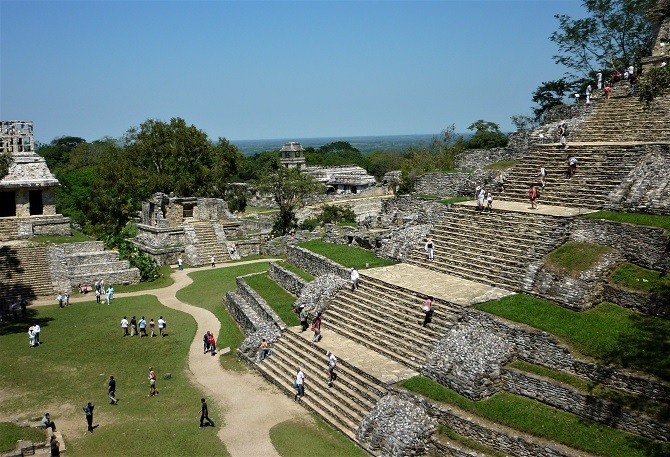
x,y
212,260
204,414
427,309
264,350
31,337
24,308
316,328
479,197
572,166
430,249
205,343
303,319
633,83
66,297
332,361
59,299
354,279
161,326
110,294
299,384
180,264
599,78
563,135
501,181
212,344
542,174
36,332
111,391
48,423
608,91
55,446
88,410
97,285
143,327
133,326
152,327
97,295
152,383
532,196
589,89
124,326
489,201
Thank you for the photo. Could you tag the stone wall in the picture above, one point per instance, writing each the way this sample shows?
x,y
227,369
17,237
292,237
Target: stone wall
x,y
645,303
646,189
287,279
257,303
163,244
405,209
455,184
644,246
48,225
584,405
479,158
242,313
314,264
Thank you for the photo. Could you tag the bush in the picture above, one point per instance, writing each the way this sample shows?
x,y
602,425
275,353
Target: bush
x,y
237,202
333,214
309,224
128,251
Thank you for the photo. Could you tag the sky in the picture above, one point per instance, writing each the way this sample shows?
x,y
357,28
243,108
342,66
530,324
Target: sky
x,y
274,69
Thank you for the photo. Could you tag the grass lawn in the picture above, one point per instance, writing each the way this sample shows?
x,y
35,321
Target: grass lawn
x,y
277,297
56,239
452,200
298,439
651,220
574,258
538,419
607,332
631,276
163,280
292,268
83,346
11,433
208,291
348,256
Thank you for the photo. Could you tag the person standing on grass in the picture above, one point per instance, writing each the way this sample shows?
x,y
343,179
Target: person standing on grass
x,y
111,391
204,414
143,327
133,326
88,410
152,327
124,326
152,383
161,326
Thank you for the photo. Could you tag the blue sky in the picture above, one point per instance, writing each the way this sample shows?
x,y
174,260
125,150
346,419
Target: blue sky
x,y
254,70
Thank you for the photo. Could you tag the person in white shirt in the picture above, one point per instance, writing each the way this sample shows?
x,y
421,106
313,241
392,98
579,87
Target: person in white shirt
x,y
299,384
332,361
354,279
36,331
161,326
124,326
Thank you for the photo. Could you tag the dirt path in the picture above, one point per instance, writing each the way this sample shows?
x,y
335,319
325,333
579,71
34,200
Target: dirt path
x,y
251,406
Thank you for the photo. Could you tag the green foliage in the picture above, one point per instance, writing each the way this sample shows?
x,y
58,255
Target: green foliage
x,y
332,154
335,214
452,200
148,267
541,420
309,224
289,188
276,296
575,258
57,152
348,256
607,332
651,220
237,201
381,162
633,277
5,161
653,83
522,122
549,95
487,136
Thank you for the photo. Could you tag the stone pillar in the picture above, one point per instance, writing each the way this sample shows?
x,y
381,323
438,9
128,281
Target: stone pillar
x,y
49,201
22,203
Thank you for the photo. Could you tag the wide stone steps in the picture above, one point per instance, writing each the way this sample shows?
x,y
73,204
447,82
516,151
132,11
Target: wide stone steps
x,y
24,272
484,239
344,405
9,228
208,244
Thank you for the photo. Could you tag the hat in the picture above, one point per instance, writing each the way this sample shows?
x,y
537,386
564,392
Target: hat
x,y
327,353
478,188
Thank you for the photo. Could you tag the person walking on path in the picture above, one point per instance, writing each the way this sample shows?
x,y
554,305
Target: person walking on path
x,y
532,196
430,249
204,414
299,384
542,174
212,344
111,391
152,383
180,264
303,319
428,311
161,326
205,343
316,328
124,326
354,279
213,261
332,361
88,411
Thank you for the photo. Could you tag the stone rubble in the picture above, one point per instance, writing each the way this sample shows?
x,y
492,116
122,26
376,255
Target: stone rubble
x,y
252,343
317,294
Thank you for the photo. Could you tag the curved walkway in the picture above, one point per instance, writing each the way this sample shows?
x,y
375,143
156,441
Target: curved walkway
x,y
250,405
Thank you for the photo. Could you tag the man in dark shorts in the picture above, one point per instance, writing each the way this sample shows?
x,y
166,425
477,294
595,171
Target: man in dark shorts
x,y
204,414
88,410
112,391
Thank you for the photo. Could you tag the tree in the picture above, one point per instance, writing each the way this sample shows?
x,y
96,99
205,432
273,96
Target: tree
x,y
5,162
616,34
549,95
487,135
57,152
381,162
522,122
333,154
289,188
653,84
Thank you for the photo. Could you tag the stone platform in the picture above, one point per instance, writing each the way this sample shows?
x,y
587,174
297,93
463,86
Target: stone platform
x,y
444,287
544,210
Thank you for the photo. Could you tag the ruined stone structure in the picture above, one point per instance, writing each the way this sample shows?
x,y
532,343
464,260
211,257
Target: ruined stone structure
x,y
345,179
293,155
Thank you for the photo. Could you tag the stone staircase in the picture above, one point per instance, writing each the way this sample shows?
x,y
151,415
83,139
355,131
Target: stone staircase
x,y
494,247
9,228
24,272
600,169
388,319
343,405
208,243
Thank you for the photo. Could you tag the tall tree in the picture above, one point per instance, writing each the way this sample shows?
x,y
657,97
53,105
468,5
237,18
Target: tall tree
x,y
549,95
487,135
5,162
616,34
289,189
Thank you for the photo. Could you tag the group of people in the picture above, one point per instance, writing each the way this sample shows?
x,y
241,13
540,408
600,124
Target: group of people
x,y
11,309
316,323
130,328
484,199
299,383
34,335
102,293
209,343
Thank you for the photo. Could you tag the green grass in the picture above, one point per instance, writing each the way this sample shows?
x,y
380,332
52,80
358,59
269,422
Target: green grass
x,y
83,346
474,445
607,332
164,279
298,439
11,433
276,296
651,220
502,165
630,276
452,200
642,404
208,291
544,421
425,196
348,256
574,258
57,239
292,268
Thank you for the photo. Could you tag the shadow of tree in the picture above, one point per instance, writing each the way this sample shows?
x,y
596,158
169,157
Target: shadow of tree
x,y
13,290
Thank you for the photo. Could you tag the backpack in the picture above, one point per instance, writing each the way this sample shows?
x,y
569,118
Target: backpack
x,y
537,194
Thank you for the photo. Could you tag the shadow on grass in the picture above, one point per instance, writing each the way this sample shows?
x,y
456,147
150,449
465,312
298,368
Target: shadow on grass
x,y
20,324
